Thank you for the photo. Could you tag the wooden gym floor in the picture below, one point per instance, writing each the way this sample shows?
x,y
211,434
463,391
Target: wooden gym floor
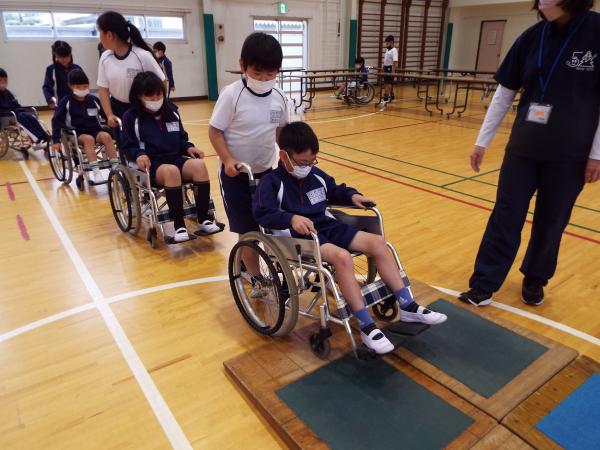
x,y
107,343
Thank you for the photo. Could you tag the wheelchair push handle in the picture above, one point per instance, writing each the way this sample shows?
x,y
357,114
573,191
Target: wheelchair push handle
x,y
244,167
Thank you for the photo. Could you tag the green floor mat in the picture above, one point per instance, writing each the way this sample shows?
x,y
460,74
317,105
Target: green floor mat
x,y
356,405
478,353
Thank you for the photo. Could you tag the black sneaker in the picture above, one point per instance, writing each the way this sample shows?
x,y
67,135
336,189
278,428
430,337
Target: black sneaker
x,y
476,297
532,292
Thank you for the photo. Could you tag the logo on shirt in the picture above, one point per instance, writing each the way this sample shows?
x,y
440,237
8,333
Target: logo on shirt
x,y
316,196
275,116
582,61
131,73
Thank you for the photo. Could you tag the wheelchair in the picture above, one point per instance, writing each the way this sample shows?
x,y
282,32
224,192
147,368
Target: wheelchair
x,y
270,302
358,92
12,135
72,159
133,198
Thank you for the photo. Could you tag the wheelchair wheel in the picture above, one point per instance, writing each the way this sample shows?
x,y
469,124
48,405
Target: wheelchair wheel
x,y
124,201
365,269
57,164
387,310
4,144
269,303
364,95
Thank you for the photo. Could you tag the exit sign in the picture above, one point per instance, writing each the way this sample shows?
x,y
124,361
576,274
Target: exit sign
x,y
282,8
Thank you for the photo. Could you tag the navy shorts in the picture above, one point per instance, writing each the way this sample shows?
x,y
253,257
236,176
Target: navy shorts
x,y
237,200
388,80
91,131
331,231
179,162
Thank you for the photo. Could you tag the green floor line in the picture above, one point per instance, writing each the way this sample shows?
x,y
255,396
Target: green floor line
x,y
443,186
438,186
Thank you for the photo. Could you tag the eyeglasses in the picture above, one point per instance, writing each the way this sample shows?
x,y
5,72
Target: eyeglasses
x,y
311,164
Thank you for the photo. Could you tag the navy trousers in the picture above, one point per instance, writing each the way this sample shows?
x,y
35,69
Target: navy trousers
x,y
34,129
557,185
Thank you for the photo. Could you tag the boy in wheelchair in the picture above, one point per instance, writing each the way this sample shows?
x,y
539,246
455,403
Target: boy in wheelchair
x,y
294,198
155,139
359,67
26,119
82,111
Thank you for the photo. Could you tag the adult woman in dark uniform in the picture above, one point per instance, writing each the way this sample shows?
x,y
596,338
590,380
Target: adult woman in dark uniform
x,y
553,149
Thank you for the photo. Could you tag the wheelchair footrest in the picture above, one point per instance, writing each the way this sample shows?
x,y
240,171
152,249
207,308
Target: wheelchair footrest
x,y
171,241
203,234
406,329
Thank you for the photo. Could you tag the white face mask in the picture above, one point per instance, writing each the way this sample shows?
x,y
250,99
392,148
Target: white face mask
x,y
299,172
259,87
81,92
153,105
550,9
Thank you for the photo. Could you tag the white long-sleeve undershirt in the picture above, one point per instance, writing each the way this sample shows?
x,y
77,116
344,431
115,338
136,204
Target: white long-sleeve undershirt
x,y
499,106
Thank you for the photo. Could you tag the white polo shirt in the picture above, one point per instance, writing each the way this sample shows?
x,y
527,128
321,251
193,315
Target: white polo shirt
x,y
249,123
117,73
391,56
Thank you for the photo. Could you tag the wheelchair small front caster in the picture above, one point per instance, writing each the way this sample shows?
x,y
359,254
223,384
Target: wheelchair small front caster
x,y
364,353
386,311
320,345
25,154
79,181
152,237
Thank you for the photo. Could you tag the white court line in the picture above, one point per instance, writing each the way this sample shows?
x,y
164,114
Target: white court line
x,y
551,323
165,417
117,298
196,121
165,287
342,119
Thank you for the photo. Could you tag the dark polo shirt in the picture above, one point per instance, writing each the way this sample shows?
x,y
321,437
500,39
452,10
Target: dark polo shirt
x,y
573,90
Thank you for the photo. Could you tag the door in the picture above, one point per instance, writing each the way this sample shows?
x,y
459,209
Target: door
x,y
490,45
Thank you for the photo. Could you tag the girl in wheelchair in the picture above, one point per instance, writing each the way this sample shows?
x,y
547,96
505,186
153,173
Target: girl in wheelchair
x,y
294,197
155,139
82,111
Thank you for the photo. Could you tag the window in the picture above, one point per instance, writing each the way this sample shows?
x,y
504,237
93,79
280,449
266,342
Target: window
x,y
291,34
54,25
28,24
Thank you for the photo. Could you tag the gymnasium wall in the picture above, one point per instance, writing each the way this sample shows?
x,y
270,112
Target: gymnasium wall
x,y
26,60
324,44
467,25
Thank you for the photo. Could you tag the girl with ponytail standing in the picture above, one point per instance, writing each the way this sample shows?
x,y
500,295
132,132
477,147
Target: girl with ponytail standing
x,y
56,85
126,55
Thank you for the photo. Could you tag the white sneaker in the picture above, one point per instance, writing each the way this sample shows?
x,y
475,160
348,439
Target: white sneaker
x,y
208,227
181,235
377,341
422,315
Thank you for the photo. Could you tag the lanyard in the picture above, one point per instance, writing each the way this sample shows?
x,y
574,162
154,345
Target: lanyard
x,y
544,82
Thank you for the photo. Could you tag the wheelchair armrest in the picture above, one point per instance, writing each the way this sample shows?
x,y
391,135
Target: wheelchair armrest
x,y
27,109
7,113
369,205
68,129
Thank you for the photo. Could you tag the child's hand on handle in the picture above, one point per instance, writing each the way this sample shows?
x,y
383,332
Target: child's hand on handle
x,y
477,157
143,162
232,167
195,153
56,147
592,170
303,225
112,121
362,202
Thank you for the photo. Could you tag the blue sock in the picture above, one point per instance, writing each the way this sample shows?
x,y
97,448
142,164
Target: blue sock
x,y
364,318
404,297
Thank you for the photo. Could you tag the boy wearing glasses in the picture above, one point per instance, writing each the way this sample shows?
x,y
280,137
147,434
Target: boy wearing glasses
x,y
293,199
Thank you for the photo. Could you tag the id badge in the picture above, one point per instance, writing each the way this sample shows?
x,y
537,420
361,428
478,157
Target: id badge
x,y
539,113
92,112
172,126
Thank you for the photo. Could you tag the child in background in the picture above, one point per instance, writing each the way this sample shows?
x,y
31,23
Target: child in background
x,y
359,66
27,120
82,111
390,64
244,127
294,198
165,64
56,79
156,141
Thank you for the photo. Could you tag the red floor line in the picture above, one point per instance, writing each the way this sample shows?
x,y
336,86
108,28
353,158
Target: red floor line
x,y
22,228
9,190
439,194
25,182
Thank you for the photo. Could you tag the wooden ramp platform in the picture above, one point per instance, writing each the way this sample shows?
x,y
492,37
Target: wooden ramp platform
x,y
263,374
